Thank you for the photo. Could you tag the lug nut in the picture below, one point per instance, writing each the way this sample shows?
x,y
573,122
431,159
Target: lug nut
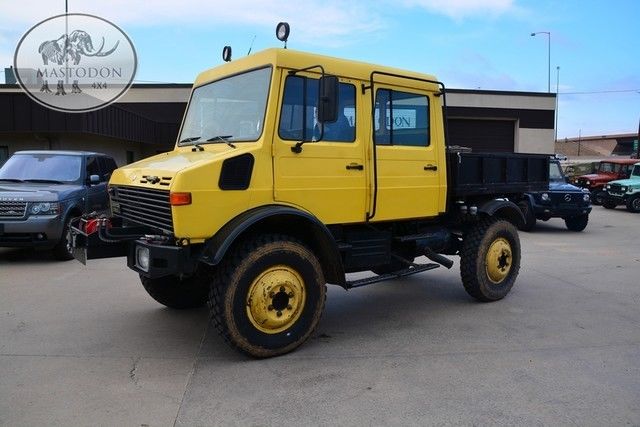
x,y
279,314
270,308
289,307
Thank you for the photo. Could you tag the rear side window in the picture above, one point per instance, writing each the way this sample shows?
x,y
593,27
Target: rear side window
x,y
401,118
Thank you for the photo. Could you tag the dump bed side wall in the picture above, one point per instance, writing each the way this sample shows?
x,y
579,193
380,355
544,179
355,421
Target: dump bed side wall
x,y
474,174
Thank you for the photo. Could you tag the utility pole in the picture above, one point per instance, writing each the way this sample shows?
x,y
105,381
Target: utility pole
x,y
555,136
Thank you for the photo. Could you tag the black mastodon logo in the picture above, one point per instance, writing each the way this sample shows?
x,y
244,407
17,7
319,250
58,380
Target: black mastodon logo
x,y
71,47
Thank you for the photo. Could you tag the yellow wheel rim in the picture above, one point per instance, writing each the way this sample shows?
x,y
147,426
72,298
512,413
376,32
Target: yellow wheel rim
x,y
276,299
498,260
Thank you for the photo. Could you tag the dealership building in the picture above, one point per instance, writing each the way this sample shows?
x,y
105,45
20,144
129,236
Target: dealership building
x,y
145,121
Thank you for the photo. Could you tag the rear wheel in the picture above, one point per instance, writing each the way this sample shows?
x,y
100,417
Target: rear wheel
x,y
490,259
529,216
577,223
173,292
267,296
633,204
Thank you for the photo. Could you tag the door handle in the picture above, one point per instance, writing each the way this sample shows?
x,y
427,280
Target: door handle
x,y
355,166
431,168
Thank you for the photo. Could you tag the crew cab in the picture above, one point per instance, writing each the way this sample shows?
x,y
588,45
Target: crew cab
x,y
293,169
41,191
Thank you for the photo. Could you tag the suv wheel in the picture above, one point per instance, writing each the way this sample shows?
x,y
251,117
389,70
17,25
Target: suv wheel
x,y
62,251
577,223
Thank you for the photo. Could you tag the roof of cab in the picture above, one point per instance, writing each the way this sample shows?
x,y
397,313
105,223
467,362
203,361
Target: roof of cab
x,y
293,59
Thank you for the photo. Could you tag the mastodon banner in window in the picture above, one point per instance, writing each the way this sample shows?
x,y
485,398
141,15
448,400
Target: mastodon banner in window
x,y
75,62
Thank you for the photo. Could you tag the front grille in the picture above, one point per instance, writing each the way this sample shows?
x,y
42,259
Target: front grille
x,y
9,209
143,206
616,189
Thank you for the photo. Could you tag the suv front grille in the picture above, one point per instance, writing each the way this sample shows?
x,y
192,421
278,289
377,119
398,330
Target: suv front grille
x,y
143,206
616,189
10,209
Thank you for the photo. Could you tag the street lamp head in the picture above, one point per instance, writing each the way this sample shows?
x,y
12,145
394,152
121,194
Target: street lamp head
x,y
533,34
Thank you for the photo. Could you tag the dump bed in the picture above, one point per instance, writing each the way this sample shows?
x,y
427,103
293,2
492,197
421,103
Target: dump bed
x,y
499,174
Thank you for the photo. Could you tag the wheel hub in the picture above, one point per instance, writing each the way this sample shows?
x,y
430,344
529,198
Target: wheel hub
x,y
275,299
498,260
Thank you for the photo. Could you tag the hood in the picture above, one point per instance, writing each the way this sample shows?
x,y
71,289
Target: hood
x,y
166,165
597,176
627,182
564,186
32,192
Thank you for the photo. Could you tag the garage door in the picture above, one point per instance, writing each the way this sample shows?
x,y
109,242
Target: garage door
x,y
483,135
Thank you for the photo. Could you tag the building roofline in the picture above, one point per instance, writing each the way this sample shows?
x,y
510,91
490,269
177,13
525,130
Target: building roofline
x,y
501,92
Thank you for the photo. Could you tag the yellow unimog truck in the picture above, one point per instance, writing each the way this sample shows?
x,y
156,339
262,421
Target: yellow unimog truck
x,y
290,171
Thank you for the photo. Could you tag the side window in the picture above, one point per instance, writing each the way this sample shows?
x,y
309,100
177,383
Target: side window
x,y
93,168
401,118
4,154
298,114
107,166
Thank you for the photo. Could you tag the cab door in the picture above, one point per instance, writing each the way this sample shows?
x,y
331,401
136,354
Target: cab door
x,y
327,177
411,172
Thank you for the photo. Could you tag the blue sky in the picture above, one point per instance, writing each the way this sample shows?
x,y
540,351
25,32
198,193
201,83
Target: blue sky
x,y
471,44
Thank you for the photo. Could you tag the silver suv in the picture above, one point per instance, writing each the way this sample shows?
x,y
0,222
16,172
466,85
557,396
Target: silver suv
x,y
40,191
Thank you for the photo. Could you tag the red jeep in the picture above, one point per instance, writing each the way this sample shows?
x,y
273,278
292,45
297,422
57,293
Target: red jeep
x,y
608,170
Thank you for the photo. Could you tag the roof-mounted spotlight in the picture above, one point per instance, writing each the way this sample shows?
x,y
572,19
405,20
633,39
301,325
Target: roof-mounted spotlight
x,y
282,32
226,53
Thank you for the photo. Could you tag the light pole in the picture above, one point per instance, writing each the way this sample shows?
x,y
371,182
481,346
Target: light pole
x,y
555,135
548,33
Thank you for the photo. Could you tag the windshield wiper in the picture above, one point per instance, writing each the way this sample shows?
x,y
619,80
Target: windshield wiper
x,y
190,139
222,138
11,179
45,181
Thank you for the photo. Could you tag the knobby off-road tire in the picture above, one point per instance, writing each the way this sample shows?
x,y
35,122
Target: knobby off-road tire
x,y
577,223
267,295
633,204
490,259
173,292
529,217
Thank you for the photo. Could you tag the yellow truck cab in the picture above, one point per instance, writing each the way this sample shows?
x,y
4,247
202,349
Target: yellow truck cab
x,y
290,171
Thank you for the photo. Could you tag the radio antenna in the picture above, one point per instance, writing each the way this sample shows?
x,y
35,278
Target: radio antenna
x,y
251,46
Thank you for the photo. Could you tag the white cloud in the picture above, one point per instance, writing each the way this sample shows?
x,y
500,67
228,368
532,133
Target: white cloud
x,y
458,9
335,20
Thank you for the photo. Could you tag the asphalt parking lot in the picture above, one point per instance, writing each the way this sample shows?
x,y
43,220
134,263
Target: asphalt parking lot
x,y
87,346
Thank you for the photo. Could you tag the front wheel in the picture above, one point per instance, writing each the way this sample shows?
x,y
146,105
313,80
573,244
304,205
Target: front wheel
x,y
633,204
609,205
62,250
577,223
597,197
490,259
267,296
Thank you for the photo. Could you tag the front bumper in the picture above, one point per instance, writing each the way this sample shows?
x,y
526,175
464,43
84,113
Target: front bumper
x,y
562,211
37,230
163,260
618,199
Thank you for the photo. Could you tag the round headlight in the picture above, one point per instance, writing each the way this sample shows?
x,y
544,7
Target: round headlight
x,y
623,188
587,182
544,197
282,31
585,197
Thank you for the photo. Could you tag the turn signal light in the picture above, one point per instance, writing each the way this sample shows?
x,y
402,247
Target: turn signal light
x,y
180,199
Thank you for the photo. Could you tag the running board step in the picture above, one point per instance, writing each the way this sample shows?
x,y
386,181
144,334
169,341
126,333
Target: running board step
x,y
417,268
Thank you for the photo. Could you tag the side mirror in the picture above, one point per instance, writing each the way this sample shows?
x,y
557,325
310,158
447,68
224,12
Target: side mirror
x,y
94,179
328,99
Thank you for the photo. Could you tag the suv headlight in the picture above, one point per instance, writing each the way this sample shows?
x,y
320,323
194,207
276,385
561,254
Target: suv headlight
x,y
545,197
585,197
587,182
607,186
623,188
44,208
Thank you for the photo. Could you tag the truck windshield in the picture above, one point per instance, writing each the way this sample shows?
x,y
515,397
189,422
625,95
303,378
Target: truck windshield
x,y
636,171
42,167
555,174
231,109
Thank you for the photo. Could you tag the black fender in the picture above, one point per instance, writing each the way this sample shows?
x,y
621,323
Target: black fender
x,y
280,219
505,209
